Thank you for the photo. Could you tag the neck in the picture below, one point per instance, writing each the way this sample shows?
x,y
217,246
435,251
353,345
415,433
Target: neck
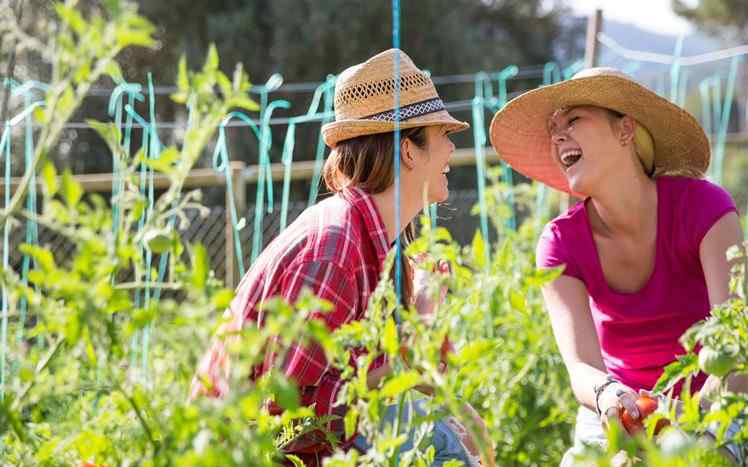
x,y
624,206
409,207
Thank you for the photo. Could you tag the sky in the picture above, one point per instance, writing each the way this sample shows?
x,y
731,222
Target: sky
x,y
654,15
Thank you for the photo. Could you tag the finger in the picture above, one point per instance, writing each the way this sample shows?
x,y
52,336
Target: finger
x,y
628,401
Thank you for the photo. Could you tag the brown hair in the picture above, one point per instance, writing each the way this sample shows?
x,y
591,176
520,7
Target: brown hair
x,y
367,162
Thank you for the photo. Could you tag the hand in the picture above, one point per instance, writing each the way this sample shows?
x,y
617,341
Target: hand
x,y
614,398
422,278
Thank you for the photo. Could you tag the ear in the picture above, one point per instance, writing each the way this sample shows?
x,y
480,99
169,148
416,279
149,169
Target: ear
x,y
627,127
407,154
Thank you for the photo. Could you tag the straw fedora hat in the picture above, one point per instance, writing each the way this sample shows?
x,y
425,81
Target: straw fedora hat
x,y
519,131
365,99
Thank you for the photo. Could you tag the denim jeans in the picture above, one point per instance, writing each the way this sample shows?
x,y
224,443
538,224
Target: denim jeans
x,y
446,442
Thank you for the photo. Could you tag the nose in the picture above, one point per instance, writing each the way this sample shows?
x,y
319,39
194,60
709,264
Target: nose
x,y
558,136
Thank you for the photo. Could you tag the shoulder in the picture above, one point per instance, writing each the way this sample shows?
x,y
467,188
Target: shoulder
x,y
696,192
332,233
695,206
559,243
566,223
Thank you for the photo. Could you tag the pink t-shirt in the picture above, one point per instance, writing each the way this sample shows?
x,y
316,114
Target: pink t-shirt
x,y
638,332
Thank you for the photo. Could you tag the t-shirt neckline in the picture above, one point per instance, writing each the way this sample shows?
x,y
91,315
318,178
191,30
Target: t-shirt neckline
x,y
598,264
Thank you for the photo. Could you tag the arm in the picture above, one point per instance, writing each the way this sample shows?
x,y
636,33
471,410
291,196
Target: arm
x,y
571,319
725,233
307,364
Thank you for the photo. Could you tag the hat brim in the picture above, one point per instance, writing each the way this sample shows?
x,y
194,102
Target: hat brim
x,y
337,131
519,131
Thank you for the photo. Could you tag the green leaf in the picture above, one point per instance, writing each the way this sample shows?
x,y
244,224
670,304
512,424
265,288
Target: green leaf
x,y
165,161
517,300
43,256
686,365
389,339
401,383
351,418
114,71
159,240
474,351
542,276
221,299
211,60
200,266
179,97
479,250
49,179
183,82
82,73
66,102
47,450
243,102
286,394
71,17
40,115
107,130
127,37
72,191
224,84
295,460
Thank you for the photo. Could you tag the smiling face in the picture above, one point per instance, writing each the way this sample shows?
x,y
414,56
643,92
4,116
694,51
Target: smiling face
x,y
432,163
587,144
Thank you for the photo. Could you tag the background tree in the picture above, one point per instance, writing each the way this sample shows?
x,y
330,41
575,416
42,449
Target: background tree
x,y
305,40
722,18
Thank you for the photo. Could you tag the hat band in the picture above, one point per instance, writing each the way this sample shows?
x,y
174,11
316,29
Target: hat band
x,y
410,111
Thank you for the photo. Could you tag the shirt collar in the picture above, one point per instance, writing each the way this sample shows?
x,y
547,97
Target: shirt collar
x,y
364,203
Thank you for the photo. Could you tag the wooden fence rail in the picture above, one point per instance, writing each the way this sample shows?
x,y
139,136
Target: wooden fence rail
x,y
242,175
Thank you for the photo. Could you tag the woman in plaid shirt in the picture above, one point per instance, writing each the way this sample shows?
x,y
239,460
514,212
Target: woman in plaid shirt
x,y
337,247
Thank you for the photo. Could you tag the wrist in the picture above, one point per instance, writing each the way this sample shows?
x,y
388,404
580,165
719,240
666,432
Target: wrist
x,y
606,394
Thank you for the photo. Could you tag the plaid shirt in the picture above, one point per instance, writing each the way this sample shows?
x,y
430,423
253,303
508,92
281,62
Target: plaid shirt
x,y
336,248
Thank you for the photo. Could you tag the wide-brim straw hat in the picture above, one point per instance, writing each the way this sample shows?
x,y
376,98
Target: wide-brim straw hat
x,y
519,131
365,99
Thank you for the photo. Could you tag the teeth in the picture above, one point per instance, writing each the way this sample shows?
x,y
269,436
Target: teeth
x,y
446,170
569,157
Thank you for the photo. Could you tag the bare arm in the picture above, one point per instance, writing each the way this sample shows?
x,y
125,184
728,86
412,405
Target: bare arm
x,y
725,233
568,306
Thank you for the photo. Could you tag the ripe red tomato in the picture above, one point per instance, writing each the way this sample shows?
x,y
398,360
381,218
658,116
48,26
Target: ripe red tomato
x,y
646,406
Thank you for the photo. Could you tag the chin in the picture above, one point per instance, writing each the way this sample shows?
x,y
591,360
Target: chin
x,y
578,186
439,197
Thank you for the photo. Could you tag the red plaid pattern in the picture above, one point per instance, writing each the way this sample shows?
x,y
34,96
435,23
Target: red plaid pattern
x,y
336,248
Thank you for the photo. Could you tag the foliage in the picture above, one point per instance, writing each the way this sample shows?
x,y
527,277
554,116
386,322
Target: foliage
x,y
82,388
716,16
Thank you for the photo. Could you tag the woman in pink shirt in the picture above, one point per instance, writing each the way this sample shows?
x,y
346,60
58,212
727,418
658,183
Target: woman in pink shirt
x,y
643,253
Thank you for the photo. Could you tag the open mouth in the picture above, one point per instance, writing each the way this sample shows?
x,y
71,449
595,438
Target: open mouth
x,y
570,157
446,170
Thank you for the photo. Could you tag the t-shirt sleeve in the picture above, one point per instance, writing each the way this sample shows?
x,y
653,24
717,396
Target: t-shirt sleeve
x,y
551,252
704,204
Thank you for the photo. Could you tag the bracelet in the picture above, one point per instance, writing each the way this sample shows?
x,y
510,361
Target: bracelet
x,y
599,390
